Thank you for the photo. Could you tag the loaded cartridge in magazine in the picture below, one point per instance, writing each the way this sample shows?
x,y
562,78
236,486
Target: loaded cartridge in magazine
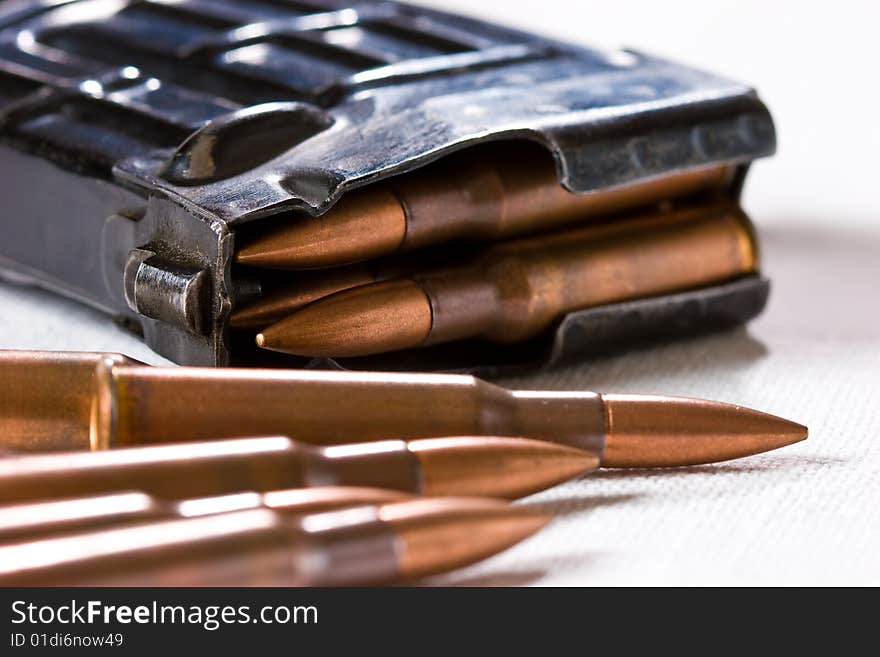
x,y
369,185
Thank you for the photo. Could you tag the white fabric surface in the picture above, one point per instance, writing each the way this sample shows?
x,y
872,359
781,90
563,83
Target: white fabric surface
x,y
807,514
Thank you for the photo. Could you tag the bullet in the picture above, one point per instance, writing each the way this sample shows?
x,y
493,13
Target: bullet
x,y
32,520
518,290
262,547
459,197
461,466
285,292
75,400
280,302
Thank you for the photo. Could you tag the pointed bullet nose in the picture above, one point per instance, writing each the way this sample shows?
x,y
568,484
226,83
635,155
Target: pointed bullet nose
x,y
304,288
441,534
496,466
363,225
365,320
651,431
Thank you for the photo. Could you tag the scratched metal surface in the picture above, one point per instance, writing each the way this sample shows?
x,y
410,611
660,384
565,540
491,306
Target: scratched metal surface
x,y
235,110
367,89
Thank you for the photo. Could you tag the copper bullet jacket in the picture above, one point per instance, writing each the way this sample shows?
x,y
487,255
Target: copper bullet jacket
x,y
363,225
262,547
430,547
365,320
109,402
519,289
513,191
284,293
483,466
30,520
310,286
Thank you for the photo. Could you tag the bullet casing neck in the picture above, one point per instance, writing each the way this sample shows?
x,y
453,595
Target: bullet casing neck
x,y
351,546
388,465
576,419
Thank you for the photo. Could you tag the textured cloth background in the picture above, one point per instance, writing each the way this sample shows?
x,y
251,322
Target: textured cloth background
x,y
807,514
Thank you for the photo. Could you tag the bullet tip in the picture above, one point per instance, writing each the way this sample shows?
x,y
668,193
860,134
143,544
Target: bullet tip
x,y
440,534
496,466
693,431
362,225
260,339
365,320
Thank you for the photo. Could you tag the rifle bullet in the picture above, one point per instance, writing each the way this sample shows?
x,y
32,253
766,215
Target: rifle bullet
x,y
40,519
519,289
459,197
262,547
461,466
70,400
284,293
308,287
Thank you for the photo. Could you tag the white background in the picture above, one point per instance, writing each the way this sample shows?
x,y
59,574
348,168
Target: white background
x,y
804,515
